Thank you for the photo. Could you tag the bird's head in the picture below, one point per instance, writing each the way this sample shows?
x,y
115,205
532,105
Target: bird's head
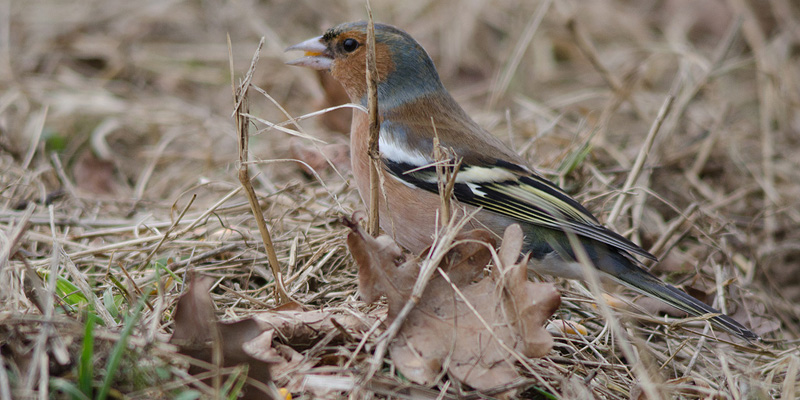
x,y
405,71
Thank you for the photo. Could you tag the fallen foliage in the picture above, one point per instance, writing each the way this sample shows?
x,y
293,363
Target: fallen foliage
x,y
250,341
146,86
316,159
470,330
198,335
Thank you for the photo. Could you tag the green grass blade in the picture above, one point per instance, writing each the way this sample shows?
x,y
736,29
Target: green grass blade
x,y
85,371
162,265
110,302
119,349
235,383
188,395
65,386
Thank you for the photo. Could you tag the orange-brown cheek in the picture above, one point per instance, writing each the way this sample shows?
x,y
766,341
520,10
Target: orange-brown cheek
x,y
351,71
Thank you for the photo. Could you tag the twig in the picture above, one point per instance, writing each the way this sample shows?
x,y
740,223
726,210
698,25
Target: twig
x,y
5,386
436,254
70,187
103,249
294,120
144,177
80,281
242,124
718,56
36,134
692,175
767,93
446,171
790,382
166,234
374,128
503,80
644,152
207,212
175,266
279,127
687,215
591,275
726,371
302,134
15,234
588,50
39,364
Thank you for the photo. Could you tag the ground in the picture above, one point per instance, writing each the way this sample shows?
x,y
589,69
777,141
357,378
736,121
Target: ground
x,y
119,161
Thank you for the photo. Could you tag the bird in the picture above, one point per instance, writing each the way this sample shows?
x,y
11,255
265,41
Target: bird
x,y
414,108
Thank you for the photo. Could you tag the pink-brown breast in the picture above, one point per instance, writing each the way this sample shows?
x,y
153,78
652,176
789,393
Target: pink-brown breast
x,y
411,215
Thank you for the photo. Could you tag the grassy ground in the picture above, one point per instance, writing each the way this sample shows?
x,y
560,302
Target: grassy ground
x,y
119,158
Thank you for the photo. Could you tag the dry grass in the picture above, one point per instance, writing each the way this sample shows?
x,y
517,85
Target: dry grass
x,y
118,156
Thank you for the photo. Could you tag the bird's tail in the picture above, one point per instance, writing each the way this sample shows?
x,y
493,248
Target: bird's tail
x,y
644,282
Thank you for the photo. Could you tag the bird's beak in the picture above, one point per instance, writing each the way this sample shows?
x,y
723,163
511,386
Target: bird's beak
x,y
317,55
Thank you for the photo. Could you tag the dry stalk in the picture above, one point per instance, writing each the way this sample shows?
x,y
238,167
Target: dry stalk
x,y
374,128
588,50
625,344
504,80
718,56
147,173
767,93
62,175
521,359
5,386
440,157
644,152
446,171
36,134
241,109
686,215
730,181
790,383
168,232
16,231
442,243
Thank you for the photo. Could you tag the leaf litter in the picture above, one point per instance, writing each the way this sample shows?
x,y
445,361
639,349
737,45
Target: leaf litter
x,y
465,328
465,324
719,189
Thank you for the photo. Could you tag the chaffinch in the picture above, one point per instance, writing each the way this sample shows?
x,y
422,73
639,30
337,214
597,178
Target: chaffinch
x,y
412,103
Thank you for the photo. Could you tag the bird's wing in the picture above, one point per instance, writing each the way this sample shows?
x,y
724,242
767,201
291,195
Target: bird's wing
x,y
509,189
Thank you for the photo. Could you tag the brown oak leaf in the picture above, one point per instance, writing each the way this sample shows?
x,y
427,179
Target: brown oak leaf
x,y
506,312
250,341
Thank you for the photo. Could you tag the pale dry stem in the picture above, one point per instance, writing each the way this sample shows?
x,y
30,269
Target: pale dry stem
x,y
374,129
242,129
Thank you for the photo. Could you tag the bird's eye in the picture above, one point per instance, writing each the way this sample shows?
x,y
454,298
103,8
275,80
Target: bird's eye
x,y
350,45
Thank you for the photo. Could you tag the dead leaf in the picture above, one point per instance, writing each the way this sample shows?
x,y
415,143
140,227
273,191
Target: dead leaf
x,y
305,328
94,175
658,307
527,305
684,387
337,120
194,313
637,393
755,315
316,158
575,387
244,343
250,341
381,266
442,331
